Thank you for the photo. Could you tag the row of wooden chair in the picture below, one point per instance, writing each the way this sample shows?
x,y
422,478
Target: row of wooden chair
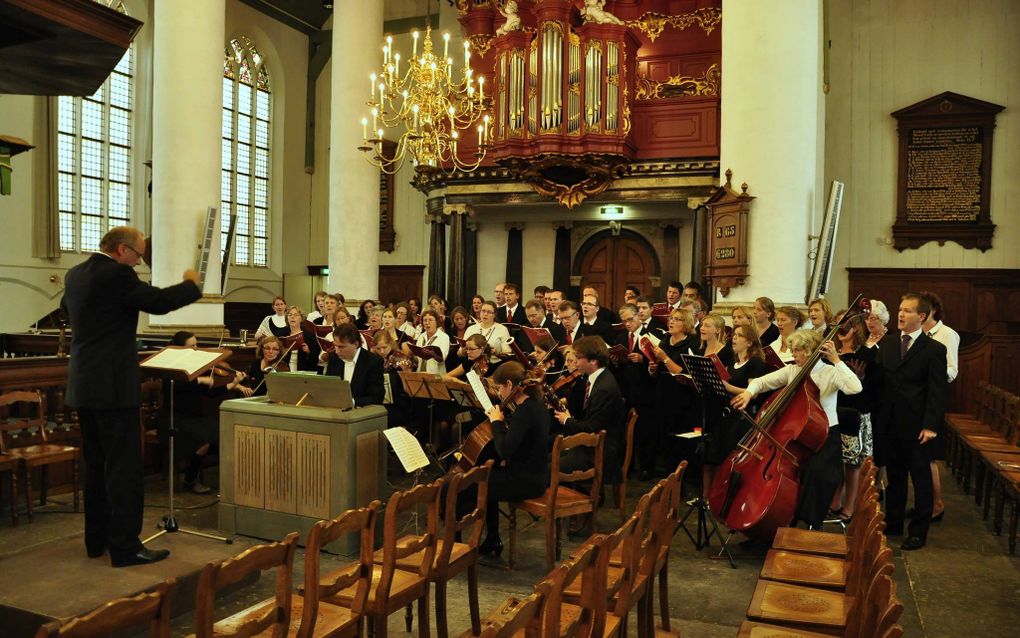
x,y
24,446
986,446
381,582
822,584
609,576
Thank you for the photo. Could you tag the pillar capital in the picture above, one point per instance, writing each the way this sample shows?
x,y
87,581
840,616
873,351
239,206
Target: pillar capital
x,y
514,226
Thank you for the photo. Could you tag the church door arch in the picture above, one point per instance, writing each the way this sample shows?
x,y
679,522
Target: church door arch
x,y
609,263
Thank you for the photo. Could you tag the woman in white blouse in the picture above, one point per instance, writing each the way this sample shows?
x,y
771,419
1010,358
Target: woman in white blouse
x,y
432,336
822,473
495,334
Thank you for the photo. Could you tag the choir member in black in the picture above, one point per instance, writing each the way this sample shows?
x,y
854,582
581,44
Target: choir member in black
x,y
438,304
602,409
320,298
522,469
722,434
676,400
305,357
414,304
267,358
632,375
327,316
591,323
821,473
389,324
398,405
197,434
855,410
362,320
764,321
742,316
649,325
276,323
459,317
713,339
712,342
476,307
514,310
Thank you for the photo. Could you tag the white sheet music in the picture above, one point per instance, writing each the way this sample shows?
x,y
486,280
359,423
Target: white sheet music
x,y
407,449
188,360
479,388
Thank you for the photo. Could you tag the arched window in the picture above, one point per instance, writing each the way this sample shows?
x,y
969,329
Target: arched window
x,y
247,109
94,137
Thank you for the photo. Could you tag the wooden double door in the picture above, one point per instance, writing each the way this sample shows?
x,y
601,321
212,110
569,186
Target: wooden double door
x,y
610,263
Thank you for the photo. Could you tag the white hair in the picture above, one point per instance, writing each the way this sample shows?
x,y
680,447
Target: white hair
x,y
879,310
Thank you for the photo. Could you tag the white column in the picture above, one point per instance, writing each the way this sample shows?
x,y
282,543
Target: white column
x,y
353,182
186,131
773,125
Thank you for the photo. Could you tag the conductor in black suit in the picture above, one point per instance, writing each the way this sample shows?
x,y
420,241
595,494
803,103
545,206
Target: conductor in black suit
x,y
910,416
102,298
602,410
362,368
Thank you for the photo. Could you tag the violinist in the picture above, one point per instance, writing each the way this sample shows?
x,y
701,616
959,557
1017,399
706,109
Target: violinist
x,y
788,320
821,473
764,316
306,356
361,368
398,404
494,333
571,384
197,434
276,323
267,359
520,441
548,359
477,357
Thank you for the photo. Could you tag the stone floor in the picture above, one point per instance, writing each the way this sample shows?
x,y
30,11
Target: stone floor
x,y
964,583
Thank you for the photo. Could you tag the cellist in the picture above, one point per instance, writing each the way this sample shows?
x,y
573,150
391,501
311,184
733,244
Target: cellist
x,y
821,474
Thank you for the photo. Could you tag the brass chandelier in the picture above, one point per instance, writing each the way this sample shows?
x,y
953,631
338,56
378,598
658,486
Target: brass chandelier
x,y
422,100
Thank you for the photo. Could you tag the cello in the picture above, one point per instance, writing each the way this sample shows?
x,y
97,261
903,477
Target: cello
x,y
756,488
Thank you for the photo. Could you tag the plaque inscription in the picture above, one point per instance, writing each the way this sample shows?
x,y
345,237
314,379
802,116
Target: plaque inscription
x,y
944,174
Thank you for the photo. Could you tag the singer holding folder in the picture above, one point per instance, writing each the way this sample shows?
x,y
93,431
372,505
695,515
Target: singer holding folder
x,y
102,298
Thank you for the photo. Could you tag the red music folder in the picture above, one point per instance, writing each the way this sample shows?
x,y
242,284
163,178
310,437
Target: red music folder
x,y
426,352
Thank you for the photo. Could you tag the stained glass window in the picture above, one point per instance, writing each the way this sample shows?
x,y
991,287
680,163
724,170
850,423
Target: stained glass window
x,y
244,191
94,138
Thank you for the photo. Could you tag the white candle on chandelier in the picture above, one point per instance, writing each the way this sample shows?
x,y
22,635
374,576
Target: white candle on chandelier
x,y
385,55
414,46
364,128
467,52
414,109
375,118
485,127
396,58
451,118
446,44
481,87
449,71
371,80
481,135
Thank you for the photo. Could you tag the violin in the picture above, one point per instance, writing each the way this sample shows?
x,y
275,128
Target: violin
x,y
474,450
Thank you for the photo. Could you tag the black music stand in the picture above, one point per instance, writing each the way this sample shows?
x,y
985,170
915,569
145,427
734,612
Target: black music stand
x,y
708,383
179,363
431,387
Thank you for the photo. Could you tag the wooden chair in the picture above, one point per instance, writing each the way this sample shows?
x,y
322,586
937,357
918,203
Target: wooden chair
x,y
393,589
120,615
829,543
818,609
148,417
669,519
452,557
877,618
515,614
274,618
620,490
41,454
826,572
587,619
560,501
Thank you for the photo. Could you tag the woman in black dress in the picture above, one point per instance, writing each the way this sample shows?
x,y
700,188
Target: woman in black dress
x,y
196,433
675,398
522,469
764,321
267,357
362,321
713,343
303,357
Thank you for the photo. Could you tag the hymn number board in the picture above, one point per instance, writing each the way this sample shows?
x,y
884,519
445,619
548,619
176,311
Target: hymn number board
x,y
727,255
945,171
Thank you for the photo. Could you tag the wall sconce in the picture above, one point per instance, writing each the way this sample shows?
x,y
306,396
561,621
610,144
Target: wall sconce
x,y
611,210
318,271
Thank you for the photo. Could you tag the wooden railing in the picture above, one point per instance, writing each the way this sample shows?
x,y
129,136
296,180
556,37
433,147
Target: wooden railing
x,y
993,358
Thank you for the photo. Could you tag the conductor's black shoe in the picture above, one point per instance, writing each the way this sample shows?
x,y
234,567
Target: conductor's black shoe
x,y
142,557
95,552
911,543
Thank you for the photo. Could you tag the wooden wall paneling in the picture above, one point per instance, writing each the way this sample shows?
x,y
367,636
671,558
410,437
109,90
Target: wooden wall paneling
x,y
400,283
676,127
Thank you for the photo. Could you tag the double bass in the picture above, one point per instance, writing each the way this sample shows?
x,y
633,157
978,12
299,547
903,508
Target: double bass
x,y
756,488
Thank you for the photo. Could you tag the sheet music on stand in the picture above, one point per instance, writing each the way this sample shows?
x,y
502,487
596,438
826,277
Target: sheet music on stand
x,y
463,394
182,362
407,448
424,385
479,388
704,375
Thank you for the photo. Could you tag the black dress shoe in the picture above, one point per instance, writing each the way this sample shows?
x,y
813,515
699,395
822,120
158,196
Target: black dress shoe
x,y
94,552
911,543
491,547
938,517
142,557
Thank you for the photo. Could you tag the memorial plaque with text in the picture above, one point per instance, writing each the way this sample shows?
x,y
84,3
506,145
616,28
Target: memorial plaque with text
x,y
945,158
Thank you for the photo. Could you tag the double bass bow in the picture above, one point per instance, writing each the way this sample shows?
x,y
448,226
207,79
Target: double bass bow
x,y
756,488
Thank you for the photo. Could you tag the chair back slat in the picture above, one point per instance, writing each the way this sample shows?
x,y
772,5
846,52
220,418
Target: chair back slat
x,y
627,537
148,608
219,574
426,496
34,402
516,616
597,442
359,521
458,483
591,620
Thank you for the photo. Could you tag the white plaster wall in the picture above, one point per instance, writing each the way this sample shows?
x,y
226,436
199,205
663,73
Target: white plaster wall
x,y
888,55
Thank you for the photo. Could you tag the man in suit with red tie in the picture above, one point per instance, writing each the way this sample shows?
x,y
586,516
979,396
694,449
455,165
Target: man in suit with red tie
x,y
638,390
535,311
514,312
362,368
592,325
910,416
570,320
603,410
